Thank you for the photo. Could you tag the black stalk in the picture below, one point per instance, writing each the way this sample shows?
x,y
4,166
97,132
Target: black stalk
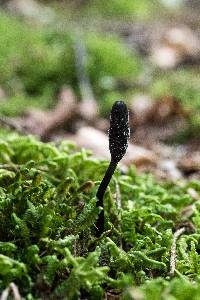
x,y
100,193
118,143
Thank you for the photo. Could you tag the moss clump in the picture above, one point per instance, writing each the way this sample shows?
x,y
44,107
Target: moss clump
x,y
47,231
18,104
177,289
185,86
36,63
30,58
125,9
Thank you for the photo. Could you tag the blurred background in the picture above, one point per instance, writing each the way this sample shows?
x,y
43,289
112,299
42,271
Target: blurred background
x,y
64,63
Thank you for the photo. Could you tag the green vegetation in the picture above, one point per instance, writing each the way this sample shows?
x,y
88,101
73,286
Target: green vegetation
x,y
184,84
124,9
177,289
36,63
48,242
48,211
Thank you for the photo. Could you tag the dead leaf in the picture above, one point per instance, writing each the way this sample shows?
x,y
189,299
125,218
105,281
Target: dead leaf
x,y
113,295
88,109
190,163
42,123
97,141
193,193
141,108
31,9
176,45
168,166
145,110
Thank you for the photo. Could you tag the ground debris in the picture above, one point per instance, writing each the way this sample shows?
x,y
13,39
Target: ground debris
x,y
190,163
97,141
12,288
177,45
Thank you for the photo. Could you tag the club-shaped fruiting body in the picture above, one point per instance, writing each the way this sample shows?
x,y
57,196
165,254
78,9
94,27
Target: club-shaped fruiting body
x,y
119,131
118,142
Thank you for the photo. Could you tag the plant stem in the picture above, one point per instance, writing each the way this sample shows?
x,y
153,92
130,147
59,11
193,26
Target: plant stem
x,y
177,234
100,193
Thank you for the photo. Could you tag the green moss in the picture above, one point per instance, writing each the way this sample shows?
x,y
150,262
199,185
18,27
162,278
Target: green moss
x,y
109,57
16,105
47,231
126,9
160,289
185,86
36,63
109,62
182,84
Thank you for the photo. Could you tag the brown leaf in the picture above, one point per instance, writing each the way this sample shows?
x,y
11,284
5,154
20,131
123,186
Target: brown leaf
x,y
141,108
145,110
177,45
190,163
97,141
42,123
88,109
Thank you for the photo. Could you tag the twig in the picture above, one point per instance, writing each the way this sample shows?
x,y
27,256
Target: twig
x,y
12,124
11,288
176,235
5,293
88,105
75,248
81,63
118,195
119,206
61,114
10,167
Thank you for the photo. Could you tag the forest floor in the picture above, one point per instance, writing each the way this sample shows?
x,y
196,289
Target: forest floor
x,y
62,67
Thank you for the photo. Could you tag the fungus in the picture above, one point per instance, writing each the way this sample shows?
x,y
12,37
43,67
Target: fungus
x,y
118,142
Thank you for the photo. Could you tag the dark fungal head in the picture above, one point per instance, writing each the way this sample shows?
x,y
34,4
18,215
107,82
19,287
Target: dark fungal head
x,y
119,131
